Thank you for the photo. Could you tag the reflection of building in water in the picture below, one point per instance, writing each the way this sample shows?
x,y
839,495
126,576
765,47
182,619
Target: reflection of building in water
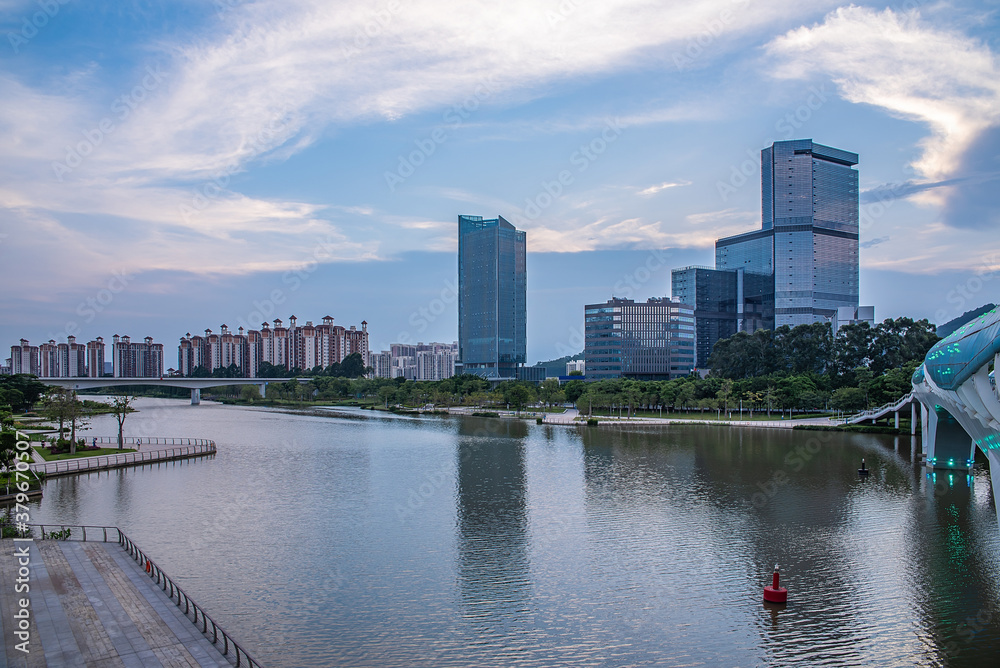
x,y
492,519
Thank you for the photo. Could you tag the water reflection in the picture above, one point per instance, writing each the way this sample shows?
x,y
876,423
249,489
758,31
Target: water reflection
x,y
493,571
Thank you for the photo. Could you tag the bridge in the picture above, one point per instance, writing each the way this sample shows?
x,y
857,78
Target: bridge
x,y
196,385
958,398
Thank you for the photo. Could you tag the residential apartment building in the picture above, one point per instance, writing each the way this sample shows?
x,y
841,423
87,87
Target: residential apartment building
x,y
421,361
296,346
24,358
135,359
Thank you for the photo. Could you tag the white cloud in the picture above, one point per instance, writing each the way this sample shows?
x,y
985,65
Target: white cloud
x,y
905,65
274,78
652,190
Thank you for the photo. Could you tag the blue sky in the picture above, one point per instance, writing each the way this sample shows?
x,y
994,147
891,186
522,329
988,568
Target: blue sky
x,y
166,167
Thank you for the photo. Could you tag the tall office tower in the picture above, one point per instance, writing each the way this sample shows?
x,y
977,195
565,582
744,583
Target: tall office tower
x,y
492,297
809,232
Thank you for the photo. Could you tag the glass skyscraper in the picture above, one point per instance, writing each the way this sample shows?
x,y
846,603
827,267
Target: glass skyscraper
x,y
809,232
492,297
800,267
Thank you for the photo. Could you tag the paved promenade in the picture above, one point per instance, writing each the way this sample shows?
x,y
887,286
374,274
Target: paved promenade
x,y
93,606
572,417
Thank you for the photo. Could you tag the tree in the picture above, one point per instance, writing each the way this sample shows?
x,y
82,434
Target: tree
x,y
249,393
21,391
725,393
517,395
547,390
62,405
574,389
121,406
353,366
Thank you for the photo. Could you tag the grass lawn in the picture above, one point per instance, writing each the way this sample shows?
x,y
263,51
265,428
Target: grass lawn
x,y
46,453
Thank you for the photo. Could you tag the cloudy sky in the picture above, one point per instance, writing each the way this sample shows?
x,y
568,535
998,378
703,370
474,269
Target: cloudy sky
x,y
166,167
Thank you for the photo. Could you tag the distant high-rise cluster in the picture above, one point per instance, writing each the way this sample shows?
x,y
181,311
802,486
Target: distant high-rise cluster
x,y
801,267
421,361
129,359
302,347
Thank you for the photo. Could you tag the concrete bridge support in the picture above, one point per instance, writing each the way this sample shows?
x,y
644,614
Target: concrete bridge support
x,y
946,443
195,397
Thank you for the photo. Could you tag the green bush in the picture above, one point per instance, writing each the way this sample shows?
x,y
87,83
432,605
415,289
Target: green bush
x,y
591,422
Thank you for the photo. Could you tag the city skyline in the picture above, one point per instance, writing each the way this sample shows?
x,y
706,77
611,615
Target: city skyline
x,y
133,198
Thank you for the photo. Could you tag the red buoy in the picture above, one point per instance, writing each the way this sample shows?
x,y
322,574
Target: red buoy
x,y
774,593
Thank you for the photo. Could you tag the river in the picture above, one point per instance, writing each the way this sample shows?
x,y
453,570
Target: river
x,y
354,538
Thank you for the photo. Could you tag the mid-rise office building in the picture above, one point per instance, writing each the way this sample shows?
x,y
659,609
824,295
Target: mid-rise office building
x,y
492,297
645,341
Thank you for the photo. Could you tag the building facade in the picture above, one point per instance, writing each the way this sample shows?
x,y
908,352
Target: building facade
x,y
135,359
800,267
645,341
422,361
303,347
492,297
808,241
24,358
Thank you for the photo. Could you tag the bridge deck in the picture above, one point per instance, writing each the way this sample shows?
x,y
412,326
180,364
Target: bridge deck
x,y
92,606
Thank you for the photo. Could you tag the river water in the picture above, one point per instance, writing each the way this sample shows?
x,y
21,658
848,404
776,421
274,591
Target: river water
x,y
354,538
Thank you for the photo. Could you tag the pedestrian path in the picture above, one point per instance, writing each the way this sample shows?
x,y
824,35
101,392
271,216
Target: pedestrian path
x,y
92,606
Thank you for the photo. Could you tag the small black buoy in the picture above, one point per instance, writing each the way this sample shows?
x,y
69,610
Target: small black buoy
x,y
862,471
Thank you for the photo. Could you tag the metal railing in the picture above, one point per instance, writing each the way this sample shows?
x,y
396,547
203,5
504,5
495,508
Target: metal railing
x,y
195,613
80,464
892,406
150,440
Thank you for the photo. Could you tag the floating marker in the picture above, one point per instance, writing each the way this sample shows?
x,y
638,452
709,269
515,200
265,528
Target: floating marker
x,y
774,593
862,471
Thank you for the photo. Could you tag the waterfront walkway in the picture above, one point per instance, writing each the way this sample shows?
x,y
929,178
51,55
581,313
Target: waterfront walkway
x,y
150,450
572,417
93,606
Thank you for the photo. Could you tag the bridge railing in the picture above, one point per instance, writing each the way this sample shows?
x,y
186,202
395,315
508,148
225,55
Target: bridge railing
x,y
81,464
178,596
881,410
151,440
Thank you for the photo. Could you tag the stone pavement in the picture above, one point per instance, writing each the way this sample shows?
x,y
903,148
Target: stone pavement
x,y
93,606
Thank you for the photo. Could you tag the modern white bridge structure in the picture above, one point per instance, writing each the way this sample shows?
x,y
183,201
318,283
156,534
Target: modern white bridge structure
x,y
196,385
959,403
